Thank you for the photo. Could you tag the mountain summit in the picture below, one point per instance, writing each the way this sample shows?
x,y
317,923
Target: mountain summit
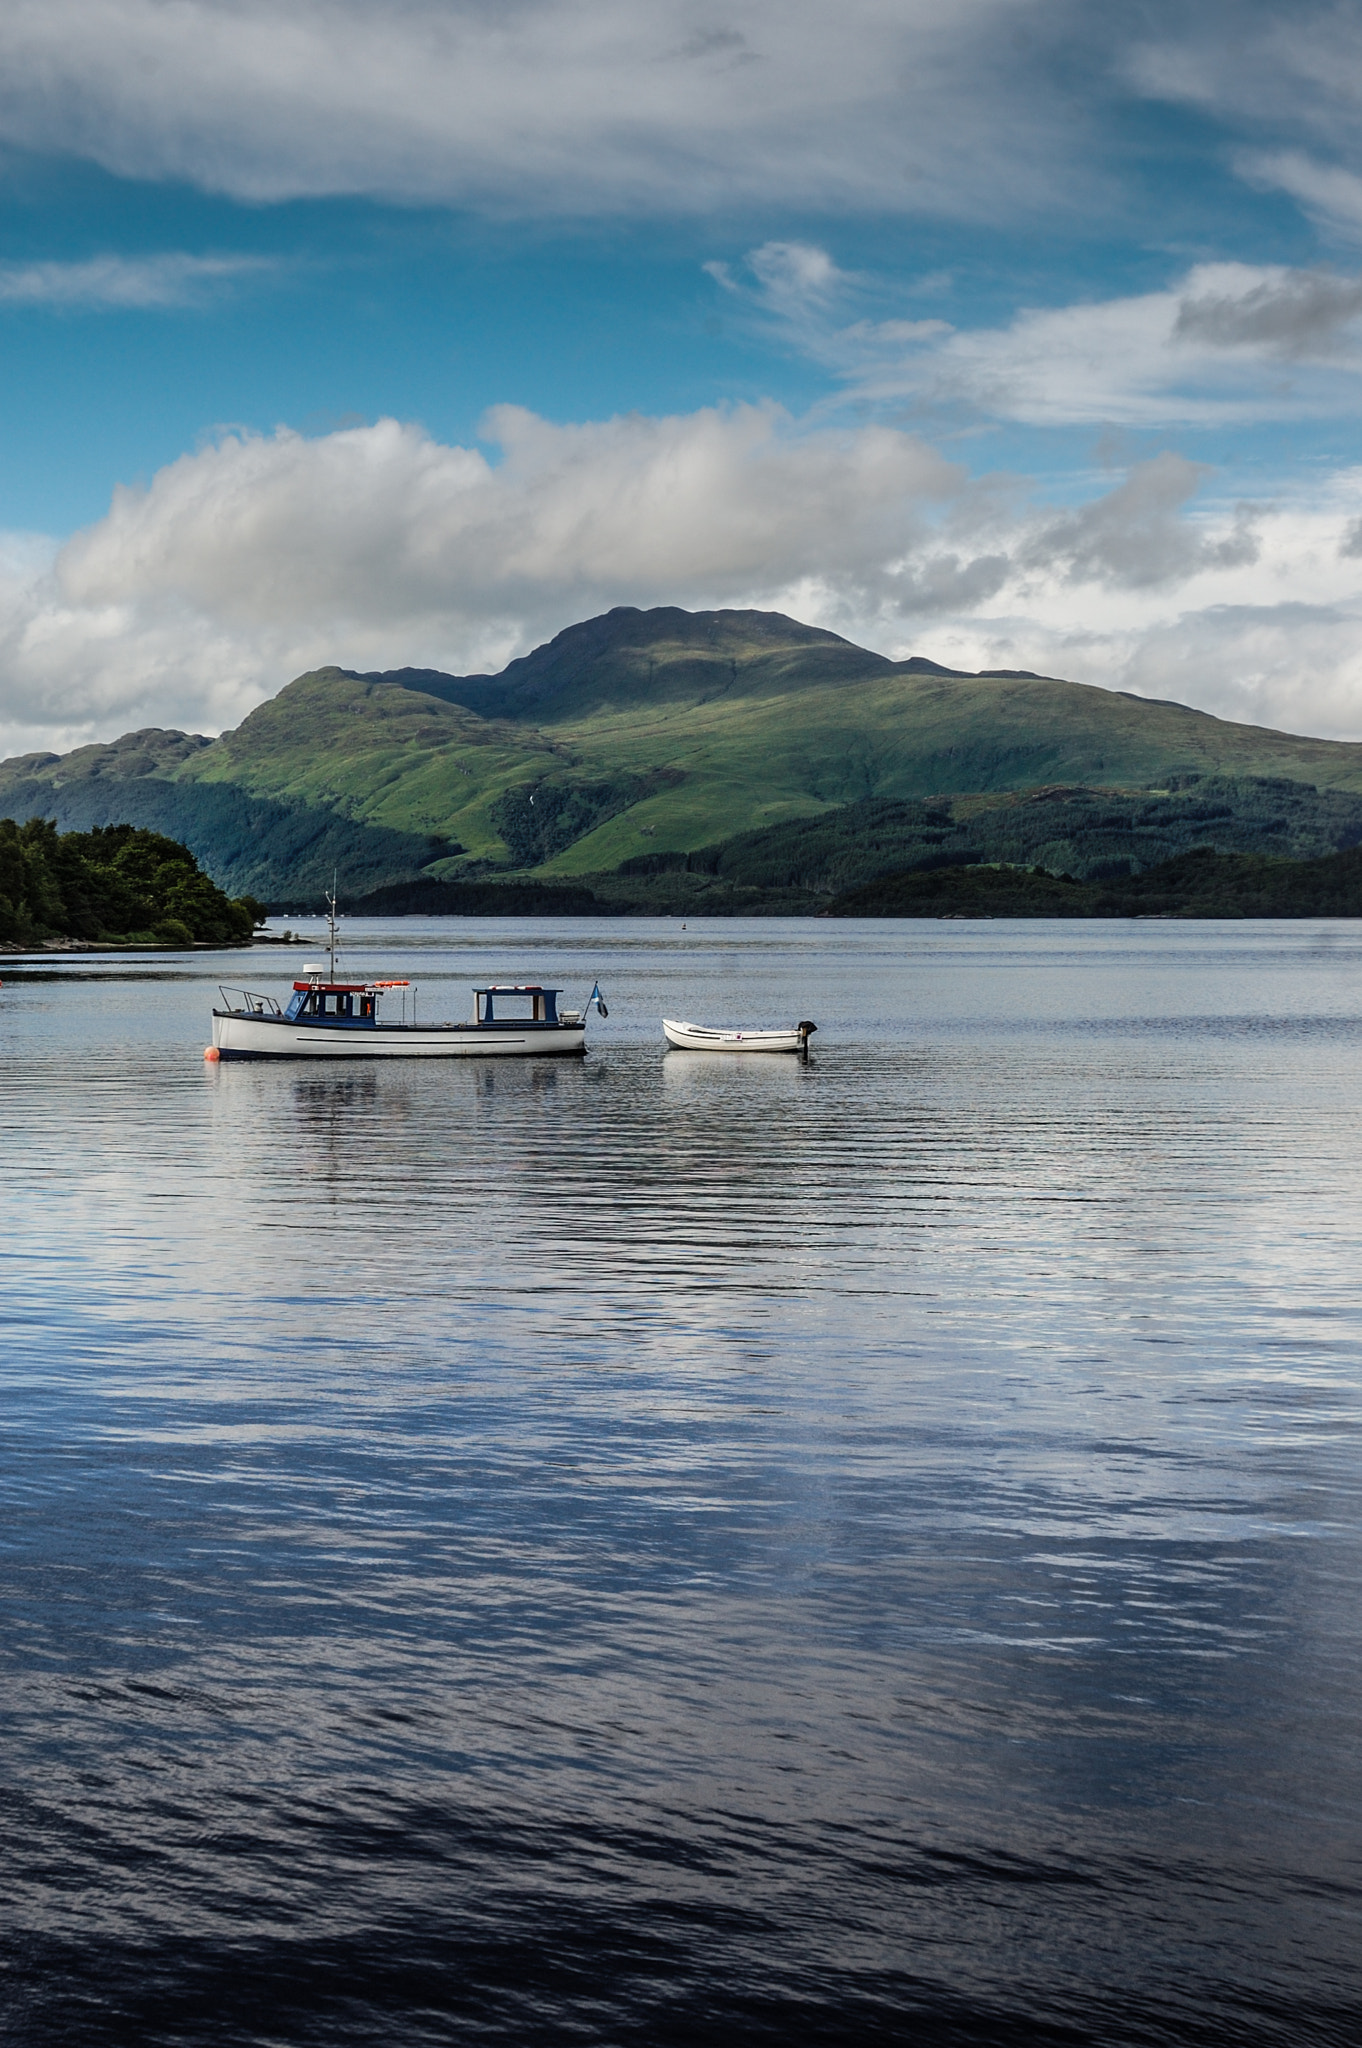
x,y
665,655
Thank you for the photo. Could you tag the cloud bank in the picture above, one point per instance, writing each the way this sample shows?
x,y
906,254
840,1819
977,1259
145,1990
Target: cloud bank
x,y
622,105
248,561
980,109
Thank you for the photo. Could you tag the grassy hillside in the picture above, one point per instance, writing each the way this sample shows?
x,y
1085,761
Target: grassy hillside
x,y
639,734
757,761
380,755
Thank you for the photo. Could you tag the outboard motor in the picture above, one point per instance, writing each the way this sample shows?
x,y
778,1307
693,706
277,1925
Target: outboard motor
x,y
805,1031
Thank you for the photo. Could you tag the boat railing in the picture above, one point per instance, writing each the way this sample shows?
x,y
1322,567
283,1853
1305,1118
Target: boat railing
x,y
251,1002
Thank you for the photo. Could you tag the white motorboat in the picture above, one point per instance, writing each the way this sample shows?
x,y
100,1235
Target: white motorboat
x,y
326,1019
700,1038
329,1016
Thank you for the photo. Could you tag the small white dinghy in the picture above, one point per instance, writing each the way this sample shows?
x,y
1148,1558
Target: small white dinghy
x,y
699,1038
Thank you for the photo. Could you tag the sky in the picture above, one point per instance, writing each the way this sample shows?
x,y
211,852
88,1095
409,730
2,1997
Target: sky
x,y
1019,333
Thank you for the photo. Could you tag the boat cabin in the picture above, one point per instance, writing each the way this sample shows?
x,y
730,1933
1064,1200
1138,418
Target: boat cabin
x,y
497,1004
334,1002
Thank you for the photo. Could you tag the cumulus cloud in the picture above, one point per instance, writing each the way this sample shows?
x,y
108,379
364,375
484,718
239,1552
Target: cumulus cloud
x,y
246,562
798,271
1296,667
252,559
1296,315
173,279
1134,536
382,525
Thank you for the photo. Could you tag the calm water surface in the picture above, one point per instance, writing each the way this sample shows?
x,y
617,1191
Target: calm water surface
x,y
668,1550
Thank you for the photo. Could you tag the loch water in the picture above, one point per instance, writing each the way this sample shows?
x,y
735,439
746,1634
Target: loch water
x,y
662,1549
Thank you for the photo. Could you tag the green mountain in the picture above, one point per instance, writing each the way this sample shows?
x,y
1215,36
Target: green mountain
x,y
668,733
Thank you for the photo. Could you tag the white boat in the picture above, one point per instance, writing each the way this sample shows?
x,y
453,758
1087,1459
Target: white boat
x,y
330,1017
326,1019
700,1038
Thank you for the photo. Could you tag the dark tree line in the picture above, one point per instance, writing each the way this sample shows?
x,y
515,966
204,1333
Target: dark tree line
x,y
1201,883
115,883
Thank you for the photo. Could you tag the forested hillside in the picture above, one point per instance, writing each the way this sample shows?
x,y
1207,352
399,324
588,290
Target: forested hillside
x,y
115,885
1197,884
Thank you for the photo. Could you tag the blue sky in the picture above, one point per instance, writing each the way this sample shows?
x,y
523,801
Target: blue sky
x,y
1004,331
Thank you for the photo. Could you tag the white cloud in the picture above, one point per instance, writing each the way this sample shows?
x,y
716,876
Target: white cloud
x,y
1254,61
794,291
244,563
1296,667
980,110
1287,79
1229,342
171,279
1159,359
619,105
1290,666
798,271
382,526
1135,537
249,561
1331,194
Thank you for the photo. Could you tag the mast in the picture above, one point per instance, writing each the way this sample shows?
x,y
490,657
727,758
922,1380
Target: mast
x,y
331,926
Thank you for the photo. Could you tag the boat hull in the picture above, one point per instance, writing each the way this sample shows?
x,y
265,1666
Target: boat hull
x,y
699,1038
237,1037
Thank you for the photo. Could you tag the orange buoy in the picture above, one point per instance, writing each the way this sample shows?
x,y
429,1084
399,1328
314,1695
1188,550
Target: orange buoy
x,y
210,1052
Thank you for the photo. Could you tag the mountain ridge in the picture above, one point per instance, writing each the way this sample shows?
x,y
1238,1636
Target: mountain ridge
x,y
635,734
544,676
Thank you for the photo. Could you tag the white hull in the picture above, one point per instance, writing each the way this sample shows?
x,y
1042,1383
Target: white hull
x,y
255,1038
698,1038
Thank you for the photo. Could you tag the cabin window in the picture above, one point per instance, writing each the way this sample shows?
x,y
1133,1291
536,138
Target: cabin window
x,y
366,1009
518,1005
